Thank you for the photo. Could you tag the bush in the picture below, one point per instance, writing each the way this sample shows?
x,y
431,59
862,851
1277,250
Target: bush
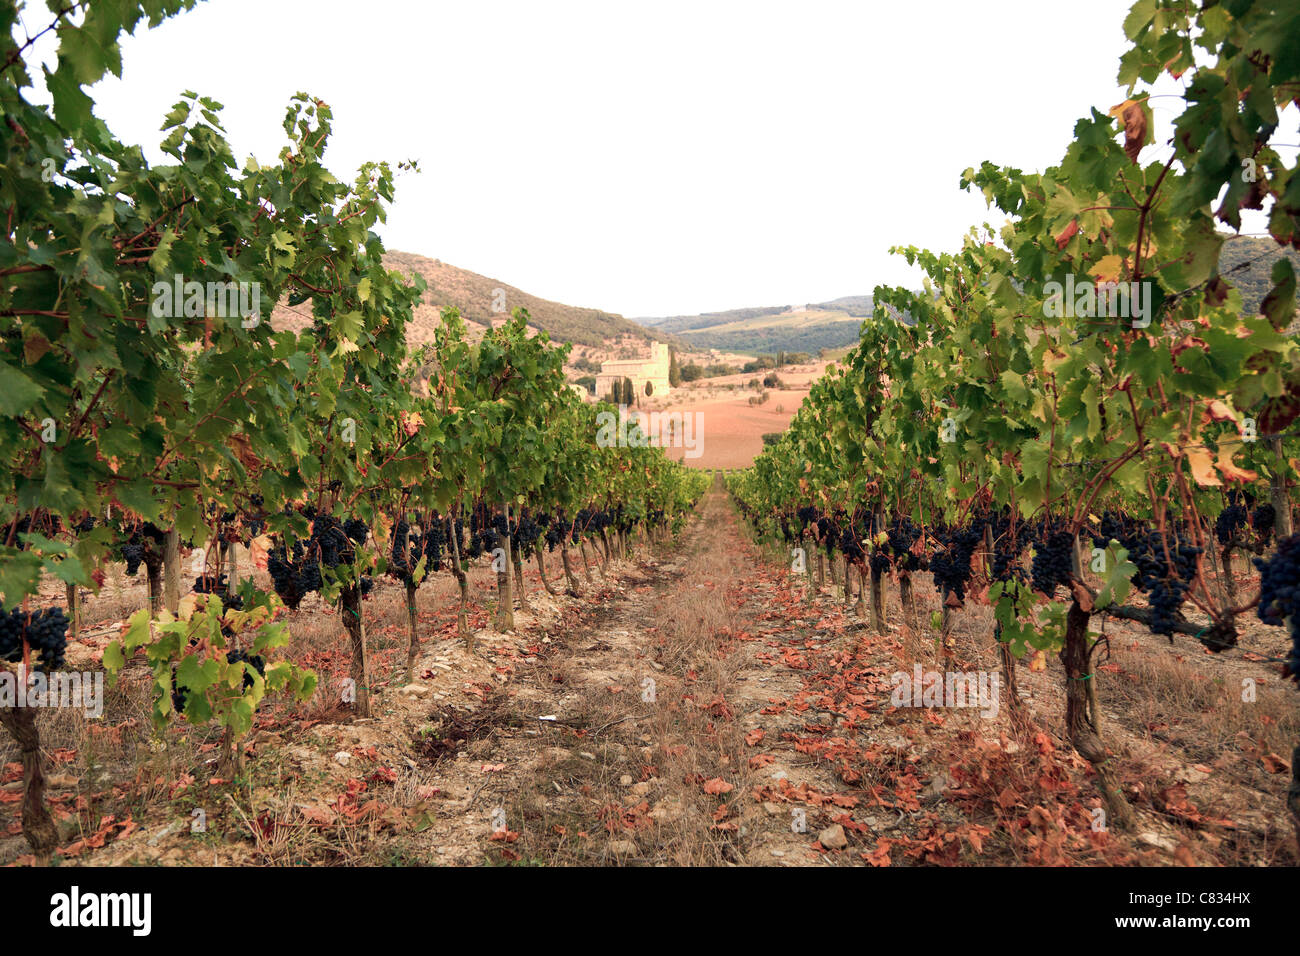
x,y
771,381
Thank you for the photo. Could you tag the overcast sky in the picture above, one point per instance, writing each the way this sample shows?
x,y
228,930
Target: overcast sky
x,y
650,158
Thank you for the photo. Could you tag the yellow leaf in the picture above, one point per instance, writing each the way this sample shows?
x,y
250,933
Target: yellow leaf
x,y
1134,119
1226,466
1108,268
185,610
1202,467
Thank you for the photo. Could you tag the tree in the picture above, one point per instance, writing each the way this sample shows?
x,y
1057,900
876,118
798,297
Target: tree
x,y
674,372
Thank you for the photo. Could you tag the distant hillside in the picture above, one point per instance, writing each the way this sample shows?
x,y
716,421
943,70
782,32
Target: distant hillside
x,y
1255,279
681,323
822,325
473,295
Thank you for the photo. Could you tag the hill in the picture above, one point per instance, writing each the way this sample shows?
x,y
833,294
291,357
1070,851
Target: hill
x,y
474,294
1247,263
822,325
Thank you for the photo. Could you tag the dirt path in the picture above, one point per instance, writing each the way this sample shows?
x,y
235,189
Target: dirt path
x,y
771,738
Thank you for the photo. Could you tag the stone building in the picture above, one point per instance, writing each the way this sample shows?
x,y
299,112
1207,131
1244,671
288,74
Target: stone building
x,y
653,370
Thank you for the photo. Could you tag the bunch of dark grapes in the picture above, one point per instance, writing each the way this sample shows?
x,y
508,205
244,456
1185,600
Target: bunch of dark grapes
x,y
851,546
1116,527
456,528
1279,595
806,515
1052,564
132,552
485,542
1230,520
330,541
293,577
526,532
824,529
1164,586
142,545
1264,518
46,631
23,526
211,584
555,535
903,536
951,563
787,533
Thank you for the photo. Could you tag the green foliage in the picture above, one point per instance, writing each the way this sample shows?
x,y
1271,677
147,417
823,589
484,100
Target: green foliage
x,y
132,379
1063,411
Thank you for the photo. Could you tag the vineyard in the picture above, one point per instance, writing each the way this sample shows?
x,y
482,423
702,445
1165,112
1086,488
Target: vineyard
x,y
339,585
152,416
1075,422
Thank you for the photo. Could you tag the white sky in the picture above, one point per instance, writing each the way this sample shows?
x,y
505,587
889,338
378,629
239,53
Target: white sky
x,y
656,158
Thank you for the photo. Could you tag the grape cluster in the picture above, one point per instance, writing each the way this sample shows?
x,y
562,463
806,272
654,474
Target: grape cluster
x,y
293,577
1263,519
951,563
555,533
851,547
1165,587
411,542
526,531
903,536
1230,520
46,631
1052,564
1279,595
211,584
142,545
332,542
